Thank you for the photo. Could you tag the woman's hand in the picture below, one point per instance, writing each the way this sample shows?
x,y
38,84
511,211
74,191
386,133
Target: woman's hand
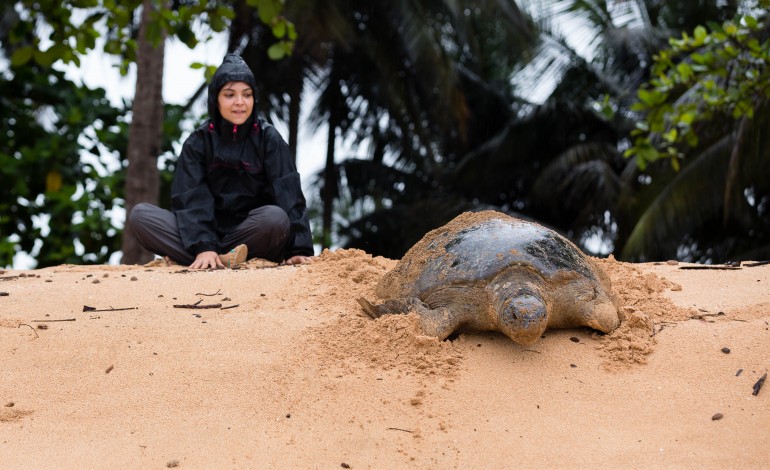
x,y
207,259
299,260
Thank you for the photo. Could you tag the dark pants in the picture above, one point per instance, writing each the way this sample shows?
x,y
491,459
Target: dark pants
x,y
264,231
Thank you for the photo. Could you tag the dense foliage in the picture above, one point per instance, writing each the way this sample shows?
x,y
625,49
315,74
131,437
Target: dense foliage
x,y
625,140
705,112
51,196
63,155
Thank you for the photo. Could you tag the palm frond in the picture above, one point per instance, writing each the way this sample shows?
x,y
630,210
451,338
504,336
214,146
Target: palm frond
x,y
691,200
391,232
578,187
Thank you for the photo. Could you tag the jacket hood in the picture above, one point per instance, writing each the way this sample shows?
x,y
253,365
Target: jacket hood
x,y
233,69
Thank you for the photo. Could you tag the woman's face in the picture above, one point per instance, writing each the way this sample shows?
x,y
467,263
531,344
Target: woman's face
x,y
236,101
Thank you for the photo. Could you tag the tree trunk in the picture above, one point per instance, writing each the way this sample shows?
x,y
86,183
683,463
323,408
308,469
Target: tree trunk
x,y
328,191
145,134
295,95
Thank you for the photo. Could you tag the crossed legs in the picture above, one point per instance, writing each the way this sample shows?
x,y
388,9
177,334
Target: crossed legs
x,y
265,232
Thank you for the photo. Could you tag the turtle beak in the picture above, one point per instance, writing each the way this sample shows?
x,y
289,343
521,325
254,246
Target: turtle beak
x,y
524,319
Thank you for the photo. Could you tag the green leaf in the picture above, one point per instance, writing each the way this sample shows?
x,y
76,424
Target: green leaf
x,y
686,119
277,51
279,29
700,34
268,10
45,58
209,72
648,97
22,55
671,135
292,31
685,71
186,35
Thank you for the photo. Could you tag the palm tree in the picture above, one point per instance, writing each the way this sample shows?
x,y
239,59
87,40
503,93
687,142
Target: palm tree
x,y
588,190
409,88
386,78
439,94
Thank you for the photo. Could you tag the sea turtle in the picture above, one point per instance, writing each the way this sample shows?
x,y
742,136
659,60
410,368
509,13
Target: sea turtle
x,y
490,271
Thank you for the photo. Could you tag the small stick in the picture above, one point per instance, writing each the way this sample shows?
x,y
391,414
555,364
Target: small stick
x,y
399,429
701,316
48,321
229,306
759,384
710,267
86,308
33,330
209,295
195,305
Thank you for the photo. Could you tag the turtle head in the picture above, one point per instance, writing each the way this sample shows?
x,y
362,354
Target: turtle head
x,y
519,310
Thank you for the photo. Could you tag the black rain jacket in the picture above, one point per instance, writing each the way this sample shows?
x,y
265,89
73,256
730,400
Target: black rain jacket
x,y
226,170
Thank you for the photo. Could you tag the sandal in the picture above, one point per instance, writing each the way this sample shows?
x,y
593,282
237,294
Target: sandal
x,y
235,257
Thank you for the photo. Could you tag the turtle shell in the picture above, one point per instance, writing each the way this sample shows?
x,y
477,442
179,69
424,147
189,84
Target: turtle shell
x,y
474,248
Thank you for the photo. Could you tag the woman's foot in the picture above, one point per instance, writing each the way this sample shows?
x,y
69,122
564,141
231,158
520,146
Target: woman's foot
x,y
235,257
169,262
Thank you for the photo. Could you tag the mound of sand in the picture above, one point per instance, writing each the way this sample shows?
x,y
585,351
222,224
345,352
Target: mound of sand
x,y
277,366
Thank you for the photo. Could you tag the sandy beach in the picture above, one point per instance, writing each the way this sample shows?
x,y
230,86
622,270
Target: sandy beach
x,y
123,367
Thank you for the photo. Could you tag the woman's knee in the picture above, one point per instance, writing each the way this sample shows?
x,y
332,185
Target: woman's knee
x,y
276,218
140,215
139,212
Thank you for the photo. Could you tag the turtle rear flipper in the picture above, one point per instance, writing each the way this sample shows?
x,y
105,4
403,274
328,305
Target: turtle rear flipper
x,y
390,307
369,309
439,322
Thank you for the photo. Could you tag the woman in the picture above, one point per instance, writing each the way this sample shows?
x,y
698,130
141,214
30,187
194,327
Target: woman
x,y
236,192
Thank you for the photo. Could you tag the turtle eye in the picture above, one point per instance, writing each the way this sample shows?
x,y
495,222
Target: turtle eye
x,y
523,311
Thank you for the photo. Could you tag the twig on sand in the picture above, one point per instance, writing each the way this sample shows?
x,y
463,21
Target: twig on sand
x,y
759,384
197,305
399,429
50,321
711,266
33,330
701,316
229,306
86,308
209,295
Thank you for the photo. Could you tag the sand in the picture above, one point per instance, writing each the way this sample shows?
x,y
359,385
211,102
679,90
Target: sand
x,y
288,373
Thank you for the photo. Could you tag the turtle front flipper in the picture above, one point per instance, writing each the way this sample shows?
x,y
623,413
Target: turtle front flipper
x,y
437,322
